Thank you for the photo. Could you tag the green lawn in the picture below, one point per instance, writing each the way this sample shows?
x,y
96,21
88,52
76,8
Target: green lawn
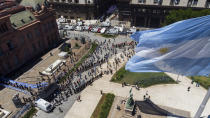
x,y
30,113
204,81
141,79
104,106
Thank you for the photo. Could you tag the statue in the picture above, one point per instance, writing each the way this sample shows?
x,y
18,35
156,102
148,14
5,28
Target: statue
x,y
130,103
130,99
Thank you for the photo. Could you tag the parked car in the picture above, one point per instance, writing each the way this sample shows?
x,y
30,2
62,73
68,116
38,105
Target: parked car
x,y
85,28
106,23
69,27
79,23
96,29
113,31
90,28
132,30
120,29
78,28
103,30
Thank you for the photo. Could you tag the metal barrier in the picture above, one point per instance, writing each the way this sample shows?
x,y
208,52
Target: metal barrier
x,y
75,35
22,111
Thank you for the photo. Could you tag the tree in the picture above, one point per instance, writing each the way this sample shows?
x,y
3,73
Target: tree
x,y
177,15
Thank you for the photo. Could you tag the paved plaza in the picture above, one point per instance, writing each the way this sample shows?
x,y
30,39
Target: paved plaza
x,y
172,95
31,75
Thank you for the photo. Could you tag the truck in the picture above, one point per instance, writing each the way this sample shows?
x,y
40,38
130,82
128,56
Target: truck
x,y
44,105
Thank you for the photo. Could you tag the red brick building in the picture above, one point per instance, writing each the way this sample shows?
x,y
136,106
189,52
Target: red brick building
x,y
27,29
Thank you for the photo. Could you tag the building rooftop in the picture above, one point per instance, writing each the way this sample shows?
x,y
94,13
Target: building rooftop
x,y
22,18
32,3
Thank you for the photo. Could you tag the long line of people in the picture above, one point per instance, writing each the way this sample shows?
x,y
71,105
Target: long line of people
x,y
90,70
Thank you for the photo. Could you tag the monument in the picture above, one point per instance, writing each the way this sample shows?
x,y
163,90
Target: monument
x,y
130,103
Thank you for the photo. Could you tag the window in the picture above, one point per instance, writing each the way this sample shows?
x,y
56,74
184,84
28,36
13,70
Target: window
x,y
45,28
37,32
207,3
159,2
195,2
142,1
192,3
26,54
5,66
1,52
10,46
39,44
16,60
22,39
34,47
174,2
48,26
76,1
29,35
3,28
155,1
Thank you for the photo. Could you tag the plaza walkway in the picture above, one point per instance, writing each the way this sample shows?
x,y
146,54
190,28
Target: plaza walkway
x,y
171,95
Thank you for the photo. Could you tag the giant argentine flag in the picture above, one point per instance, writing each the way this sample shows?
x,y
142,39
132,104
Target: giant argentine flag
x,y
182,48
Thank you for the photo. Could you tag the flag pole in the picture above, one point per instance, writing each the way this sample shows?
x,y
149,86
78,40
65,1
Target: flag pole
x,y
203,104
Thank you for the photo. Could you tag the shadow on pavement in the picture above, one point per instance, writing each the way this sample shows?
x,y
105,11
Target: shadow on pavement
x,y
149,107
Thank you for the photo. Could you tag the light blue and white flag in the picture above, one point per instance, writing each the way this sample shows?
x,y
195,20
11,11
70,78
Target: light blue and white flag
x,y
182,48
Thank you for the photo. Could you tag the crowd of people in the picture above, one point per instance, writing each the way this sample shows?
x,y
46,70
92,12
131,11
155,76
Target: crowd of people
x,y
87,72
91,69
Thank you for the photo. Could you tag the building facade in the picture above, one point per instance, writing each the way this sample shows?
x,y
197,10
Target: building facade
x,y
151,13
26,30
83,9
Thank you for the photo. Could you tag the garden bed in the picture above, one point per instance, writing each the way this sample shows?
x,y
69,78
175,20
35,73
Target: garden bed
x,y
104,106
202,80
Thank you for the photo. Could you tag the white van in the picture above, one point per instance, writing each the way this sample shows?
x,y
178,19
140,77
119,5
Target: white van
x,y
43,105
69,27
106,23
